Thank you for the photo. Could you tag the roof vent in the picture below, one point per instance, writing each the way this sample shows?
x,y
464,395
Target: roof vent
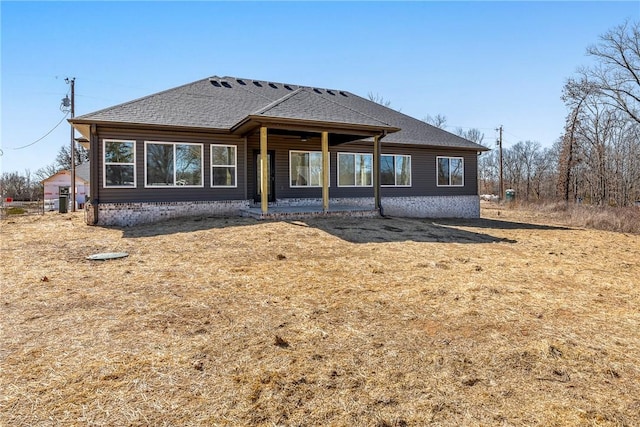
x,y
287,87
330,92
343,94
257,83
273,85
215,83
316,90
225,84
241,82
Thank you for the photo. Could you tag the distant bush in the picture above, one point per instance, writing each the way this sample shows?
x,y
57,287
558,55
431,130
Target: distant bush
x,y
14,210
623,220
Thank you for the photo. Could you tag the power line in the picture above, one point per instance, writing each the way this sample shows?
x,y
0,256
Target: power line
x,y
467,127
42,137
513,134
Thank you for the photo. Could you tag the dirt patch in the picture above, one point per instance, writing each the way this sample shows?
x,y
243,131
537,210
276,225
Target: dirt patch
x,y
513,319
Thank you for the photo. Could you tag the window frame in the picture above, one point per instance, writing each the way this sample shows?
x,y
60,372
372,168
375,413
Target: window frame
x,y
105,163
395,176
354,169
449,158
174,144
234,166
321,165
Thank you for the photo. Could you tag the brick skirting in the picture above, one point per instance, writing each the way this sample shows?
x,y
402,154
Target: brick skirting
x,y
129,214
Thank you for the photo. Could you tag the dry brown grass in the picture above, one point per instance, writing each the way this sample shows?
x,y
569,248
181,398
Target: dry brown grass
x,y
506,320
608,218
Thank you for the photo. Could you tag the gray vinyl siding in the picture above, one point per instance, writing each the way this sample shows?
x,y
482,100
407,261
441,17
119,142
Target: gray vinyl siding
x,y
423,169
182,194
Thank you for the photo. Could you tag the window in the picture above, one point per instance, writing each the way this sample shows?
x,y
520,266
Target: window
x,y
450,171
119,163
395,170
355,170
170,164
305,168
224,166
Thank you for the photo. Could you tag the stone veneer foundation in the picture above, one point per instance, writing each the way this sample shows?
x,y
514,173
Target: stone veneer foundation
x,y
411,207
129,214
432,206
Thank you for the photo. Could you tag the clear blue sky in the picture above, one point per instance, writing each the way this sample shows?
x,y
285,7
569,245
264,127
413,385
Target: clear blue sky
x,y
481,64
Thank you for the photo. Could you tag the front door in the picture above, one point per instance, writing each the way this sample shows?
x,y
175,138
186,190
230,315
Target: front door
x,y
271,173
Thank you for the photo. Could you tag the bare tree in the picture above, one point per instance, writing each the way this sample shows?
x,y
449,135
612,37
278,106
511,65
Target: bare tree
x,y
473,134
530,170
379,99
599,156
63,159
20,186
439,121
488,173
47,171
617,72
574,95
543,178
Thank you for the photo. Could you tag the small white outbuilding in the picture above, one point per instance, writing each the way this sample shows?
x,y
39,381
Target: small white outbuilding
x,y
62,181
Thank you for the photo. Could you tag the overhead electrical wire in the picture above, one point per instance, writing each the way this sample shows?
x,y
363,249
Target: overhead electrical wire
x,y
42,137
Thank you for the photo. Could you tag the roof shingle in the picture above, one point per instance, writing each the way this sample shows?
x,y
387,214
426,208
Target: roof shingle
x,y
221,103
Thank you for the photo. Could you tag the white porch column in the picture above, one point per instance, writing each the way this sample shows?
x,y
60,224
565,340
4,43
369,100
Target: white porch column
x,y
264,179
325,171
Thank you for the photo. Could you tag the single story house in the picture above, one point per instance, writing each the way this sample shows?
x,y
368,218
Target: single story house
x,y
230,146
62,181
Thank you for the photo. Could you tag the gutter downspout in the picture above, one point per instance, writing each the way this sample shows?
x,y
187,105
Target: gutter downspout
x,y
377,149
246,164
94,166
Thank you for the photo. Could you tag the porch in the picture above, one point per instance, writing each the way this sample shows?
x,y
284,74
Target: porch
x,y
309,211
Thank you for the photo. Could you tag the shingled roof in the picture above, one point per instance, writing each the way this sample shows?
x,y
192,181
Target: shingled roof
x,y
221,103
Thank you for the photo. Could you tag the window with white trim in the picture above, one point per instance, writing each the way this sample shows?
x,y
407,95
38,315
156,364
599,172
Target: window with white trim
x,y
224,166
305,168
119,161
173,164
395,170
450,171
355,170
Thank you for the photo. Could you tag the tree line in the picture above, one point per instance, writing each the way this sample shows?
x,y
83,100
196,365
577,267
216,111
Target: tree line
x,y
28,186
596,160
599,152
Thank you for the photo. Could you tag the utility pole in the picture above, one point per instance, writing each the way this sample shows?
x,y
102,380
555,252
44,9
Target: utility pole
x,y
501,195
72,82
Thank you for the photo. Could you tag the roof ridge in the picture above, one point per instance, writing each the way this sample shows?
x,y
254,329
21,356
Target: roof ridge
x,y
247,87
142,98
312,92
356,111
278,101
391,109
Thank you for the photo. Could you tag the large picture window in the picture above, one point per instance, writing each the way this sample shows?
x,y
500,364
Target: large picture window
x,y
450,171
305,168
395,170
355,170
224,167
170,164
119,163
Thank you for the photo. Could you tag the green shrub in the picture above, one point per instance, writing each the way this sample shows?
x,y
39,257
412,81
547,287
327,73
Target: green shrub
x,y
14,210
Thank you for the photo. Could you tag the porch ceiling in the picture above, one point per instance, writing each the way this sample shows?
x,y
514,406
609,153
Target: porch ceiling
x,y
334,138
